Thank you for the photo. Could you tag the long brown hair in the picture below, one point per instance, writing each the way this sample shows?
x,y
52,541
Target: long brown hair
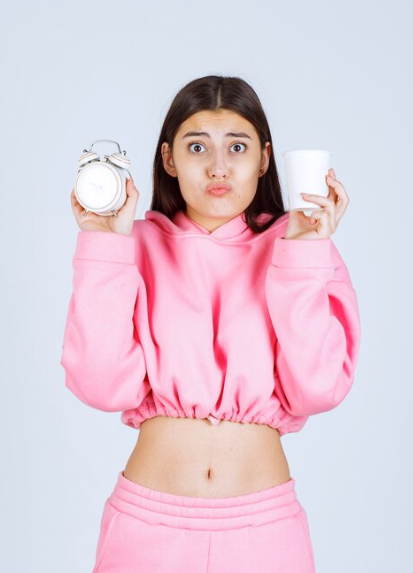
x,y
213,93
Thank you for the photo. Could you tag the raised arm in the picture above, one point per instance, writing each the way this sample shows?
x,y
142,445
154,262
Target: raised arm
x,y
102,354
314,311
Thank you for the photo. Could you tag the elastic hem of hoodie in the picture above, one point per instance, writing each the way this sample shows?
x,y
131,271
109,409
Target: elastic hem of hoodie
x,y
281,420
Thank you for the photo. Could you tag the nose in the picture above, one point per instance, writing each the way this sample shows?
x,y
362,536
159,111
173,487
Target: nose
x,y
218,166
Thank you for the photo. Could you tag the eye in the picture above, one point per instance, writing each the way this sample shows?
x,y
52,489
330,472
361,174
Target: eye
x,y
238,144
198,145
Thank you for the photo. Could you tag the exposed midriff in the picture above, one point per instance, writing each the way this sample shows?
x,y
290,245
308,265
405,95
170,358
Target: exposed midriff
x,y
203,458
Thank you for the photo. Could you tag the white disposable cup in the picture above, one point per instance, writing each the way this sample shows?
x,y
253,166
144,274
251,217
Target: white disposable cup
x,y
306,171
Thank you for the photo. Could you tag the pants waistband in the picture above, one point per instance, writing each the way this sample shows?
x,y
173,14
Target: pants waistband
x,y
204,513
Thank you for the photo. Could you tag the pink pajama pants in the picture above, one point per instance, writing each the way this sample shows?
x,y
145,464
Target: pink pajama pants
x,y
144,530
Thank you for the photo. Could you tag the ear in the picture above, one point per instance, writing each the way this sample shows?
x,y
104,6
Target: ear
x,y
167,159
265,158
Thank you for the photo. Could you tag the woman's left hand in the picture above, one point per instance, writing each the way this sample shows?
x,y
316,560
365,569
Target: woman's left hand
x,y
322,223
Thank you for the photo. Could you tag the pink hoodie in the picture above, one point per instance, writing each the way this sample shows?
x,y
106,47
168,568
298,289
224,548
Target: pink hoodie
x,y
230,325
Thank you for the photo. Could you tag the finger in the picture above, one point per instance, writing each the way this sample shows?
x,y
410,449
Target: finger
x,y
332,194
329,204
131,189
320,199
322,219
79,210
76,207
319,214
341,199
336,186
331,189
314,217
73,197
132,196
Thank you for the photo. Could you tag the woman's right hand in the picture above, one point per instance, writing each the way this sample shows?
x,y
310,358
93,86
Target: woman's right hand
x,y
123,223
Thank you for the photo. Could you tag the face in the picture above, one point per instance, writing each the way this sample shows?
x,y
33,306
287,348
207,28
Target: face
x,y
216,147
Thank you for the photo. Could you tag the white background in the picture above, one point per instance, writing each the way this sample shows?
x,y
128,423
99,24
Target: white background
x,y
330,75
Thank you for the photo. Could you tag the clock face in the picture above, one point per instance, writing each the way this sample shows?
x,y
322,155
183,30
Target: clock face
x,y
98,185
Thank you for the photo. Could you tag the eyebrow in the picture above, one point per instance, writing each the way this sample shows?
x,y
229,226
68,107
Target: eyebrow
x,y
205,134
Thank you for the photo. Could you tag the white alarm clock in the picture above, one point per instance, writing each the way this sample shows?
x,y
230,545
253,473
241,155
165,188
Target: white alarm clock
x,y
100,185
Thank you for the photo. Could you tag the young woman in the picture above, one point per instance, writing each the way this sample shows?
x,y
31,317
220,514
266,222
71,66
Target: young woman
x,y
216,324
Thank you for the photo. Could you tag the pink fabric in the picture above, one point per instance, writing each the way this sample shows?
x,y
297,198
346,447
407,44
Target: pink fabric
x,y
157,532
229,325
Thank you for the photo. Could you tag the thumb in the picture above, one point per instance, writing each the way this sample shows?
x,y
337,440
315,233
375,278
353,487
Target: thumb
x,y
131,190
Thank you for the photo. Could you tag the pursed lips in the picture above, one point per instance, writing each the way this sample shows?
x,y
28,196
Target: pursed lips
x,y
219,187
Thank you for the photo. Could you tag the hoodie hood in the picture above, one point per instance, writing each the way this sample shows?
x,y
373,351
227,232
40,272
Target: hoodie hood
x,y
182,224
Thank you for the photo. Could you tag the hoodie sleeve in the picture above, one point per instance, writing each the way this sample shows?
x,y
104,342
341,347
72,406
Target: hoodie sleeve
x,y
102,355
314,311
